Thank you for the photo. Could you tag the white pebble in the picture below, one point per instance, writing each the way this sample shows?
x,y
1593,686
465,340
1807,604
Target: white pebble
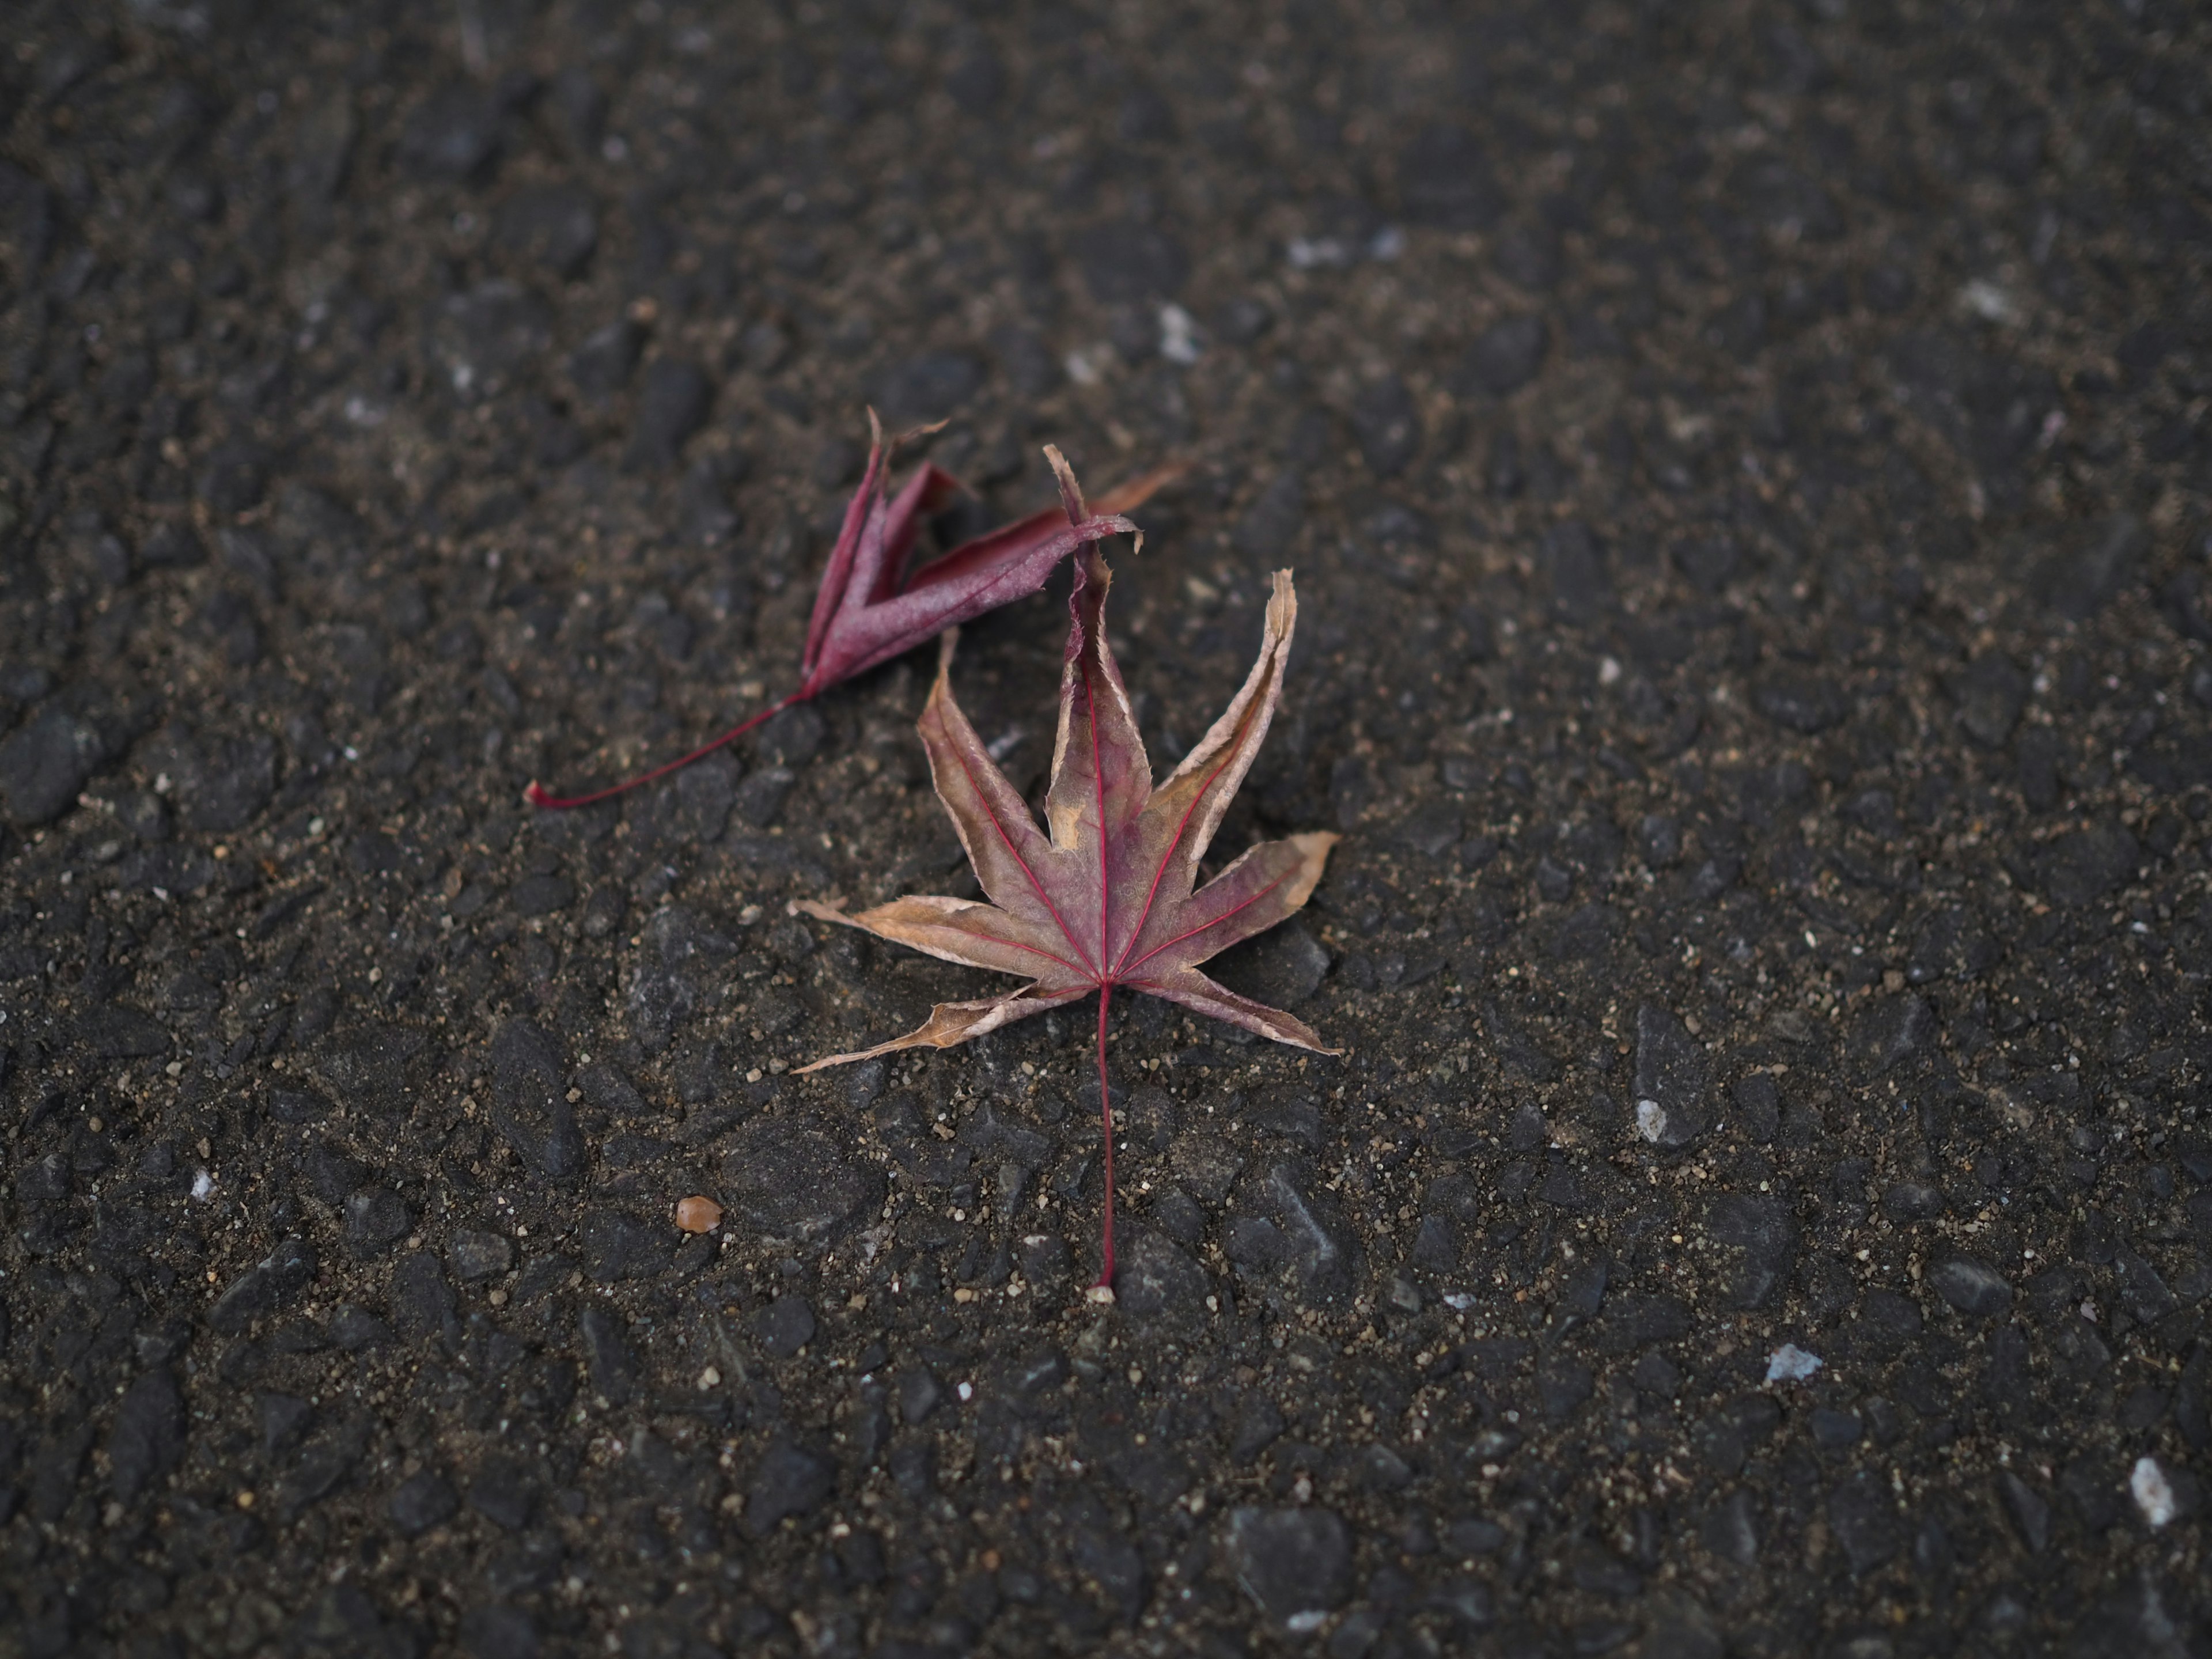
x,y
1178,335
2153,1492
1790,1364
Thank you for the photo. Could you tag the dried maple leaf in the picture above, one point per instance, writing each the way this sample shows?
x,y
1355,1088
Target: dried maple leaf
x,y
872,604
1109,897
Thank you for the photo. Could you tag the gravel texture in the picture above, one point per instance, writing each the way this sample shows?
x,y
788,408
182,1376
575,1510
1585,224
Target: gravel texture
x,y
1746,470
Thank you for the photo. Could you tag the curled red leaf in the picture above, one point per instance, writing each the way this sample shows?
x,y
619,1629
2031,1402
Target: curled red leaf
x,y
875,603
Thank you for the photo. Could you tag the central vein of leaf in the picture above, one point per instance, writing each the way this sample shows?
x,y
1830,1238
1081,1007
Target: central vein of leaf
x,y
1098,778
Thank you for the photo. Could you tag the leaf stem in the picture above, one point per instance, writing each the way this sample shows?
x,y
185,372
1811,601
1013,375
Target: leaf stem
x,y
1106,1115
536,794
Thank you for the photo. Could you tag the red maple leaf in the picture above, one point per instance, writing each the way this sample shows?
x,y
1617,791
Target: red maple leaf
x,y
873,604
1107,893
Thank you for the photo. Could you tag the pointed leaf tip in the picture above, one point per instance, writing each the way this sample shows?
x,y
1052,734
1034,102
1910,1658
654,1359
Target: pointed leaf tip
x,y
1071,493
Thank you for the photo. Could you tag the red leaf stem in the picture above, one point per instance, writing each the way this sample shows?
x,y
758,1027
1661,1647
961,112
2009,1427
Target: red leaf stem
x,y
536,794
1106,1116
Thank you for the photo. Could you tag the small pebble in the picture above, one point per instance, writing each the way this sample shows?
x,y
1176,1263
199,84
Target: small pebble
x,y
1790,1364
698,1214
2152,1492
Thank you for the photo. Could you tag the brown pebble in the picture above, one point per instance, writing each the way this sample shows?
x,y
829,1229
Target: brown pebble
x,y
698,1214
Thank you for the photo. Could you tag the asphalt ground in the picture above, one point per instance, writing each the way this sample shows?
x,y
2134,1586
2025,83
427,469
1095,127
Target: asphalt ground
x,y
1746,471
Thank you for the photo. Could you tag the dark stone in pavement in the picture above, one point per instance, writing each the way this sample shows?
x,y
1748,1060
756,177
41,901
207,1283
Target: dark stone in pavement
x,y
1891,1029
423,1500
148,1437
1506,356
44,764
271,1284
784,1327
1970,1285
1990,694
611,1362
1762,1230
930,387
1387,426
790,1480
1290,1561
2083,866
1156,1278
1802,702
1282,968
1671,1075
503,1493
375,1218
617,1245
1863,1516
788,1179
475,1255
673,401
1445,179
529,1103
602,365
549,226
2076,580
452,133
1127,264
